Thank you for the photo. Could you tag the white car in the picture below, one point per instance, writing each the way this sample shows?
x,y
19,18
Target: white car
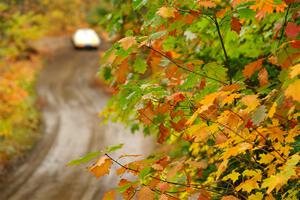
x,y
86,38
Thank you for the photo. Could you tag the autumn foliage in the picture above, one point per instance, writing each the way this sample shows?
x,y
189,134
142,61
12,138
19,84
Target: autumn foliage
x,y
217,83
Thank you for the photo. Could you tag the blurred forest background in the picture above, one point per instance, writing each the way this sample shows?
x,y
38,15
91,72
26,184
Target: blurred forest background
x,y
21,23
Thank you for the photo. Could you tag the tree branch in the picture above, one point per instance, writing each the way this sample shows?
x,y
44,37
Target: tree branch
x,y
224,50
182,67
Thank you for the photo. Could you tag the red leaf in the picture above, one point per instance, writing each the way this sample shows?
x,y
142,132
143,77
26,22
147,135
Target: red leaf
x,y
295,44
177,97
163,133
292,30
147,114
179,126
236,25
249,124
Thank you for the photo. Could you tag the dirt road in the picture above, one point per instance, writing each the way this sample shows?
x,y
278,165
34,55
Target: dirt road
x,y
71,129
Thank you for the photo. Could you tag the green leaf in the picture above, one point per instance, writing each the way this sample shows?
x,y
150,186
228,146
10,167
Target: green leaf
x,y
144,172
259,115
216,71
123,188
246,13
140,66
137,4
157,35
88,157
113,148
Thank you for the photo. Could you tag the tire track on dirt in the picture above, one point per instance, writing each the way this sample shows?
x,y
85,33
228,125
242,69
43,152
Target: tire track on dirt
x,y
71,129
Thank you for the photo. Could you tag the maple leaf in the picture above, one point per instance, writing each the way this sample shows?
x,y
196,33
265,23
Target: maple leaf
x,y
251,101
229,197
234,176
236,25
263,77
145,193
166,12
233,151
248,186
147,114
256,196
110,195
122,72
266,158
206,3
295,71
292,89
177,97
127,42
126,188
292,30
101,167
272,110
164,132
252,67
204,195
259,115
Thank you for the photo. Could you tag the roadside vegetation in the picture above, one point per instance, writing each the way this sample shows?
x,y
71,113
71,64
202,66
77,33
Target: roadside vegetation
x,y
22,22
217,83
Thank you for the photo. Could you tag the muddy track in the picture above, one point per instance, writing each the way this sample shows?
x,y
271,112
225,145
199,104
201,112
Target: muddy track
x,y
70,129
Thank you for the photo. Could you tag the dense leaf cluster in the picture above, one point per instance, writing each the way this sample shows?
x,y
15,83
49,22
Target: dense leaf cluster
x,y
217,82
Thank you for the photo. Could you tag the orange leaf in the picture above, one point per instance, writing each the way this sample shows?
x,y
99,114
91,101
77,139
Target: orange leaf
x,y
206,3
122,72
110,195
180,125
263,77
236,25
166,12
129,191
145,194
127,42
177,97
204,195
252,67
163,133
147,114
229,197
101,167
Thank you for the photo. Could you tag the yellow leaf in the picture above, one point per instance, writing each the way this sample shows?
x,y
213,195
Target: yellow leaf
x,y
255,174
256,196
266,158
275,181
110,195
295,71
101,167
248,186
229,197
127,42
240,148
251,101
272,110
229,99
146,194
293,90
166,12
234,176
